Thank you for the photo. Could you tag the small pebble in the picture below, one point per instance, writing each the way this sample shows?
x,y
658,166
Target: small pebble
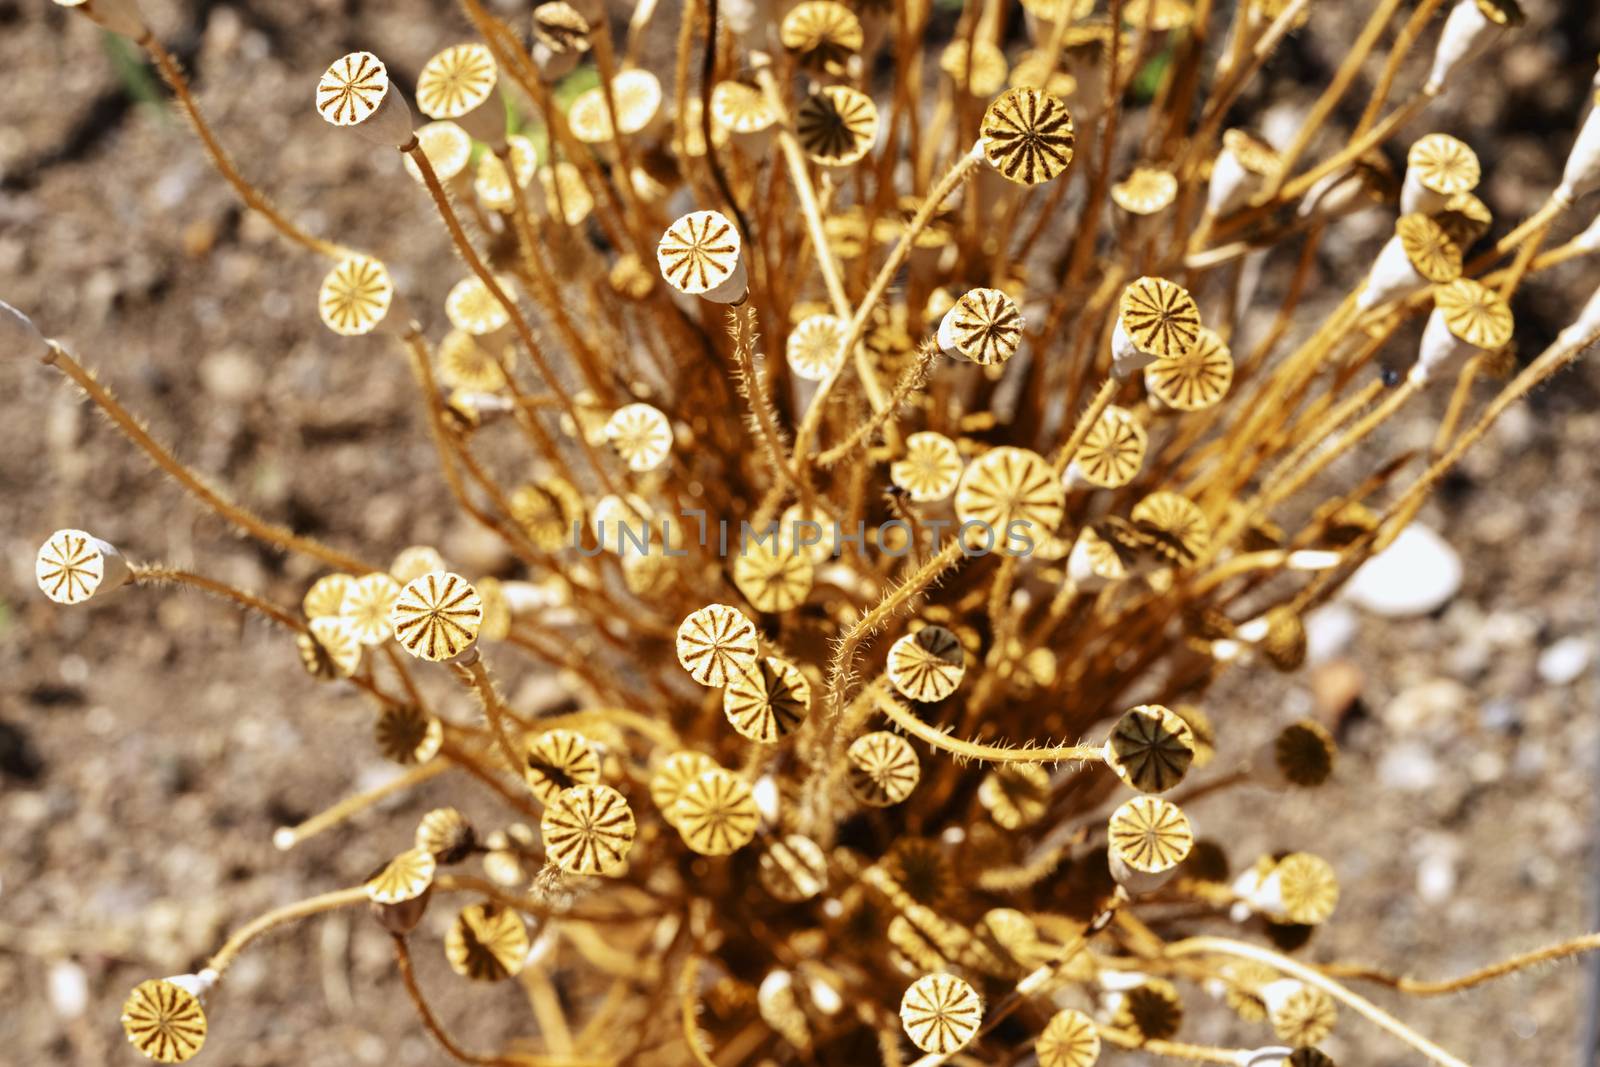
x,y
1565,661
1416,575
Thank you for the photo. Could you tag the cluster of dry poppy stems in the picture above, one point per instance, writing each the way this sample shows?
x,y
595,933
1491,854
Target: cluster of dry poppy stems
x,y
881,469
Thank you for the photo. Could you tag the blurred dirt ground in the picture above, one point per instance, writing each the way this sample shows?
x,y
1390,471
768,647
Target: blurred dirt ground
x,y
150,745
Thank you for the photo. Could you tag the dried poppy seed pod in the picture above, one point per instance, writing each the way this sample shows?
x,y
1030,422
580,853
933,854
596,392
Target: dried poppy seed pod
x,y
1242,168
355,91
1156,319
1301,755
1438,167
458,84
1300,1014
355,296
447,835
982,327
1300,888
121,17
1581,175
400,889
1468,317
1150,748
836,126
701,255
1112,452
1027,136
165,1019
560,37
1421,251
437,616
487,943
73,566
19,336
940,1013
1470,29
1148,838
1369,182
588,829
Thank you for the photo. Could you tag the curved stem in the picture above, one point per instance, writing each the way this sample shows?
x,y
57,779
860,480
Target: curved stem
x,y
286,837
973,751
262,924
1417,987
157,573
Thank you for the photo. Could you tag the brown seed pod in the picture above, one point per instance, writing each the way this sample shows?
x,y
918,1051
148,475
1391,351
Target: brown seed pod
x,y
1150,748
472,306
715,643
1301,1015
1194,380
1176,528
1112,452
367,604
487,943
466,364
448,149
716,813
1145,191
437,616
355,91
836,125
413,561
637,95
883,770
1152,1010
768,701
164,1021
548,511
72,566
641,435
1010,491
1438,167
561,28
821,35
772,578
673,777
742,109
1156,319
793,868
927,665
456,81
588,829
815,348
1027,136
1284,644
1016,795
1465,218
1069,1040
326,596
1309,1057
336,638
559,759
446,834
1302,888
355,296
1429,247
1475,314
930,469
407,735
984,327
700,254
988,67
940,1013
493,181
1304,753
921,869
406,877
1149,835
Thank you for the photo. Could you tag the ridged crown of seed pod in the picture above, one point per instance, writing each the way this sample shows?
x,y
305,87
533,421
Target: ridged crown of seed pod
x,y
337,646
821,35
1475,313
71,566
815,347
466,364
1027,136
699,253
1113,450
406,734
352,89
588,829
472,306
716,813
557,760
493,184
437,616
448,148
456,81
836,125
1010,487
793,868
1151,1010
1150,835
326,596
1443,164
1307,887
641,435
1069,1040
1432,252
1159,317
413,561
983,326
406,877
1176,528
940,1013
931,468
1465,218
1256,156
768,701
771,577
1016,795
355,296
927,665
716,642
488,942
164,1021
1145,191
637,96
561,28
673,776
1151,748
883,769
987,66
447,835
1300,1014
1197,378
741,108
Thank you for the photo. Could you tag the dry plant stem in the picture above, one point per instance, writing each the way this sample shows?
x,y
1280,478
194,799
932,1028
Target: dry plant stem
x,y
131,428
494,709
1292,484
1097,407
912,379
242,938
1175,1050
752,386
688,1011
1222,946
1319,433
1417,987
400,669
253,198
1458,405
157,574
1530,229
402,959
977,752
1403,41
290,836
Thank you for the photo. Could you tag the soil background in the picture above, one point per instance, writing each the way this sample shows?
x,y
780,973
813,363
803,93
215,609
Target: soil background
x,y
150,744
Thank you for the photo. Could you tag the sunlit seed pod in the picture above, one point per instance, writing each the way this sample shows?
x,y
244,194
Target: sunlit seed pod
x,y
1308,1057
488,942
336,637
560,36
630,278
588,829
836,125
547,511
637,96
557,760
883,769
437,616
326,596
673,776
715,643
1243,981
458,83
466,364
622,524
742,109
446,835
1146,191
779,1007
1010,493
1156,319
988,67
700,255
73,566
1097,560
471,306
1177,528
414,561
821,35
367,604
1201,730
1243,166
771,577
793,868
1301,1015
1150,748
767,701
641,435
1468,317
1300,888
1284,644
930,469
716,813
1027,136
406,734
448,148
1016,795
1069,1040
920,868
1421,251
1195,379
355,296
406,877
1438,167
983,326
940,1013
1158,16
927,665
1151,1010
492,181
815,348
355,91
1013,935
1148,837
1465,218
164,1021
1112,451
566,195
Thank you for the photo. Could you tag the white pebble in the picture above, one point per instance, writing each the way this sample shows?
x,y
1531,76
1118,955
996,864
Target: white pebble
x,y
1415,575
1565,661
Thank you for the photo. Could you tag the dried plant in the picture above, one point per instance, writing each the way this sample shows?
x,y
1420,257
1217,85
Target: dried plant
x,y
863,650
